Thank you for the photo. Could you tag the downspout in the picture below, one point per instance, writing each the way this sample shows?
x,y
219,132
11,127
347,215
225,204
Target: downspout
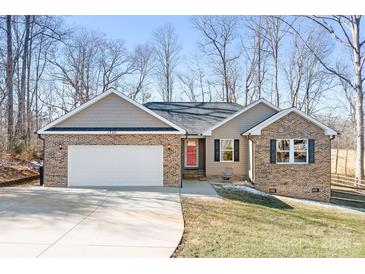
x,y
43,162
251,157
182,160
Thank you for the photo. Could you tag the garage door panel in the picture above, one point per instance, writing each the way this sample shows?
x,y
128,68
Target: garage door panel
x,y
115,165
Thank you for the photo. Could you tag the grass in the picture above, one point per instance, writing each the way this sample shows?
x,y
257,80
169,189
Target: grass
x,y
341,166
247,225
353,197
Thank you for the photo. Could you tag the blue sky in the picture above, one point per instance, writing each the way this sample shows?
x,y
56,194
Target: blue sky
x,y
135,30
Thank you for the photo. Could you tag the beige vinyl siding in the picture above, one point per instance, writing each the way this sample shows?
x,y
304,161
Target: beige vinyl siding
x,y
233,130
112,111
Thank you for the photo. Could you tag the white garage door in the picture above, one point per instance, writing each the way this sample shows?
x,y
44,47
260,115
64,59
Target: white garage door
x,y
117,165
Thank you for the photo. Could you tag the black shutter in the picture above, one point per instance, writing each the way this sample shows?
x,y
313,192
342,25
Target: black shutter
x,y
272,151
216,150
311,150
236,150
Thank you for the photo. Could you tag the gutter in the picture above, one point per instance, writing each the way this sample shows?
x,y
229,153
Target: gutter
x,y
334,136
181,162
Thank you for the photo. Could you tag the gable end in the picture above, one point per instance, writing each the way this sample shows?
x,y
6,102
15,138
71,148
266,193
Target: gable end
x,y
109,112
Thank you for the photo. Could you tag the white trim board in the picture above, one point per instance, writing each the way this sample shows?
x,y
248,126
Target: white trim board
x,y
208,132
43,130
256,130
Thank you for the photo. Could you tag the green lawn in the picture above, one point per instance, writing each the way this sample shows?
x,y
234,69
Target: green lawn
x,y
347,197
247,225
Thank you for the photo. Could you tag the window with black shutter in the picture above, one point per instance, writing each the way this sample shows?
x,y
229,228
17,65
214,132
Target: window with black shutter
x,y
273,151
311,150
292,151
236,150
216,150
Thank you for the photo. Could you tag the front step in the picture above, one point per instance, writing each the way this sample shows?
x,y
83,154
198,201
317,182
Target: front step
x,y
193,174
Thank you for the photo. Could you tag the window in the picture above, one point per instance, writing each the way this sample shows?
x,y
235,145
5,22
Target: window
x,y
292,151
283,151
191,153
226,150
300,151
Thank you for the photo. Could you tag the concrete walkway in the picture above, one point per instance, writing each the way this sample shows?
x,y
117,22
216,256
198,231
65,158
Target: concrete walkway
x,y
198,189
65,222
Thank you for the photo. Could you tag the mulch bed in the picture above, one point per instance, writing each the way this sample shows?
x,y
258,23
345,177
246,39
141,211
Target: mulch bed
x,y
14,171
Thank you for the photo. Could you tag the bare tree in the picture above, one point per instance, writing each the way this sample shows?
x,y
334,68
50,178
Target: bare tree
x,y
188,85
115,63
142,63
274,34
26,33
201,82
21,117
306,78
295,70
219,33
250,64
46,32
78,67
194,83
166,51
9,81
256,54
346,30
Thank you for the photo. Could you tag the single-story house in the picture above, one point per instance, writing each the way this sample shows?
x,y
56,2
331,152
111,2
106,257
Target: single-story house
x,y
114,141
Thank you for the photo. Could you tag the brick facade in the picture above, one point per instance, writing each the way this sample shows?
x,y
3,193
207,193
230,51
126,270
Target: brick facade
x,y
295,180
55,160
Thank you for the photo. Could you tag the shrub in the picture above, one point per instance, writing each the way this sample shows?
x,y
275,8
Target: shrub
x,y
18,147
26,151
32,152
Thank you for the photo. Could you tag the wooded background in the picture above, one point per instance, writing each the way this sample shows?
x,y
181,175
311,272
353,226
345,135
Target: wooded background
x,y
50,68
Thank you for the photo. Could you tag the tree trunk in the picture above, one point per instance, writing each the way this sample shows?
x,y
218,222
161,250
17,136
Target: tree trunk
x,y
168,91
336,165
29,101
359,111
277,81
359,134
307,101
20,123
225,84
9,82
346,158
259,66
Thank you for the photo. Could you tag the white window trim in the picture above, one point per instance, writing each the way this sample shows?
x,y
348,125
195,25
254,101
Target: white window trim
x,y
197,153
291,152
220,151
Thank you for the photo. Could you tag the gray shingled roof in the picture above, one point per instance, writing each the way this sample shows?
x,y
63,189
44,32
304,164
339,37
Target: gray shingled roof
x,y
195,118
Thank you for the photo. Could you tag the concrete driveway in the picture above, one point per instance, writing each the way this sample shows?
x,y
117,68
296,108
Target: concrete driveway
x,y
65,222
